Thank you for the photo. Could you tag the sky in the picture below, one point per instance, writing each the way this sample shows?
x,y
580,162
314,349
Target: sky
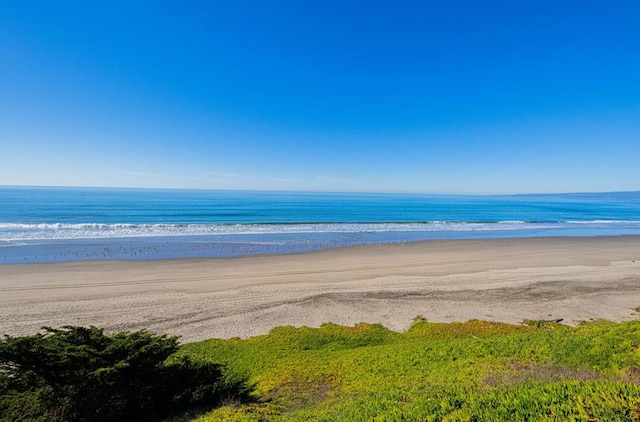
x,y
461,97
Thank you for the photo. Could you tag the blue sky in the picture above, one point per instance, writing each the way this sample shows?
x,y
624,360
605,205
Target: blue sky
x,y
429,97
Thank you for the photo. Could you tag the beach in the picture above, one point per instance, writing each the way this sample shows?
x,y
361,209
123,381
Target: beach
x,y
507,280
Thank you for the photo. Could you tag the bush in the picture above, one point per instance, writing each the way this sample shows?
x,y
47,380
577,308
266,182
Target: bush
x,y
81,374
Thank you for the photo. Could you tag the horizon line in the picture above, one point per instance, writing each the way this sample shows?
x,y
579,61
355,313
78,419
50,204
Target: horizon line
x,y
319,191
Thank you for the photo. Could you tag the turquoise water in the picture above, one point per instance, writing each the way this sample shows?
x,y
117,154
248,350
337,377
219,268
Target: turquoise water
x,y
60,224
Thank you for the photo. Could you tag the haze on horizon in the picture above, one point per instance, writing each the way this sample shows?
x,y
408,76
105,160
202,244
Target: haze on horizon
x,y
415,96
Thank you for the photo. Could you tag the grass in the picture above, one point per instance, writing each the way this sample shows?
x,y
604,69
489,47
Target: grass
x,y
473,371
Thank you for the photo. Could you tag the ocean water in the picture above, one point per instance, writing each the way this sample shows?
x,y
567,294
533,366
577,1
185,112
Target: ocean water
x,y
44,224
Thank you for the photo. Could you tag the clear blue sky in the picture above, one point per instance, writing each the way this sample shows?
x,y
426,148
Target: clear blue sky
x,y
424,96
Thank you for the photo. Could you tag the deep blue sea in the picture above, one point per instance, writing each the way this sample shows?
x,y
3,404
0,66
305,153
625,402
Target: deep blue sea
x,y
45,224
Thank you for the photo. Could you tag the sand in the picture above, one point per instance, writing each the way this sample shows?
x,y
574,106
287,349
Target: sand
x,y
506,280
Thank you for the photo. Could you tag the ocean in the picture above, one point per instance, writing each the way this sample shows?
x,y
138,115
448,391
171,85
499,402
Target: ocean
x,y
51,224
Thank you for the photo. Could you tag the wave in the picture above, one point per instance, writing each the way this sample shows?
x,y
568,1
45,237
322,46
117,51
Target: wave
x,y
57,231
604,222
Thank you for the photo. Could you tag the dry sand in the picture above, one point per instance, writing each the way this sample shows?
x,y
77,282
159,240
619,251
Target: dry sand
x,y
501,280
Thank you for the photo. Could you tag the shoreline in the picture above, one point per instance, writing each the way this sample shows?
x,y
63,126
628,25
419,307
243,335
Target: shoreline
x,y
508,280
156,247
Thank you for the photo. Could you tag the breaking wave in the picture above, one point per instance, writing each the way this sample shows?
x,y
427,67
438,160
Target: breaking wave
x,y
12,232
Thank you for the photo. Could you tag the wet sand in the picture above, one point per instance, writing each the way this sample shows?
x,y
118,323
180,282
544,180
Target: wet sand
x,y
505,280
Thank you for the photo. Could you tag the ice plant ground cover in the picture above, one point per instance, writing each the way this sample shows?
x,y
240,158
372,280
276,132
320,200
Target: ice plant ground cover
x,y
469,371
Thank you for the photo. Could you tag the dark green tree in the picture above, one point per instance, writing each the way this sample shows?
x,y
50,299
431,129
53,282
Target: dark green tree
x,y
81,374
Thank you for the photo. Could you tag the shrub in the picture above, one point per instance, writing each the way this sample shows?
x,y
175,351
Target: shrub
x,y
81,374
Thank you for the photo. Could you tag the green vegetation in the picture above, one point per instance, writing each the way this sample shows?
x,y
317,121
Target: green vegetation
x,y
81,374
473,371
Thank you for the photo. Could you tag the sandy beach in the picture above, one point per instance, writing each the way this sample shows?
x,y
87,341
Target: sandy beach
x,y
505,280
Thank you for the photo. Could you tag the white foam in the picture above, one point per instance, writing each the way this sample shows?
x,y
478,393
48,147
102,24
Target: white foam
x,y
11,232
604,222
